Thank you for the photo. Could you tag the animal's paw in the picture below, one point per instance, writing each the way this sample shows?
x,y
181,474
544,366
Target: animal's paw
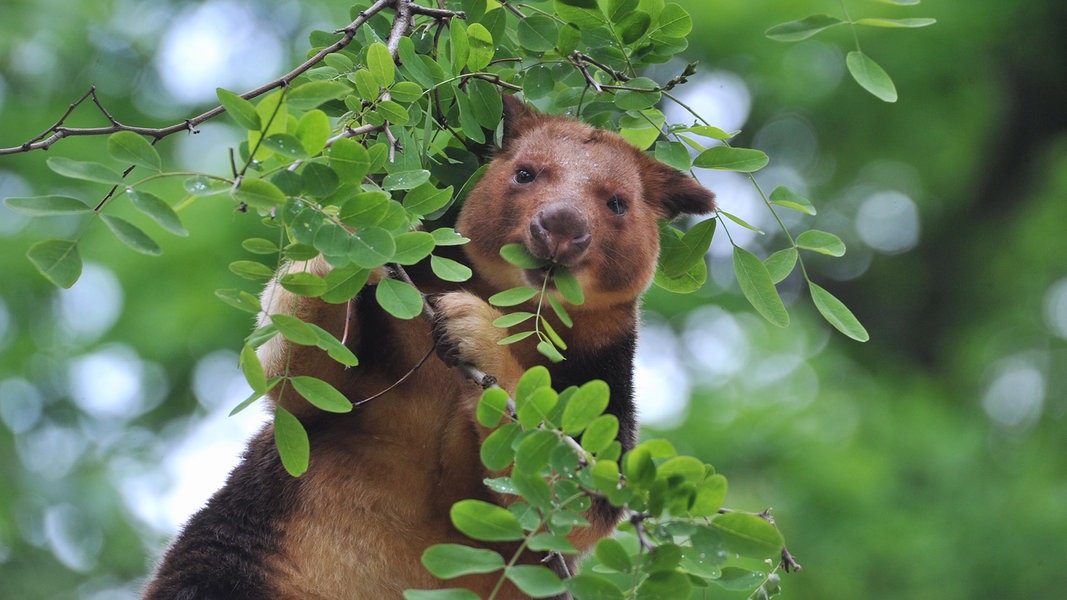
x,y
464,332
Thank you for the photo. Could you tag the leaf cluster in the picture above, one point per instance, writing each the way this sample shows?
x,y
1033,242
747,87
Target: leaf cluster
x,y
560,455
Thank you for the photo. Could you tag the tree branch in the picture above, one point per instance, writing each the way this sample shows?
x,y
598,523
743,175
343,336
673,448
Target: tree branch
x,y
406,9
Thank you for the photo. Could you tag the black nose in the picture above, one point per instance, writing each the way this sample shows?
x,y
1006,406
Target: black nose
x,y
560,233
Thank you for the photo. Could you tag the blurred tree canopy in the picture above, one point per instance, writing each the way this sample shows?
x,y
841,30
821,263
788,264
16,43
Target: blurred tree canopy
x,y
928,462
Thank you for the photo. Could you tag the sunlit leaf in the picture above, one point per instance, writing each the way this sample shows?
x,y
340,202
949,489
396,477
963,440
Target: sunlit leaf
x,y
512,297
447,269
783,196
258,193
308,95
895,23
535,581
380,64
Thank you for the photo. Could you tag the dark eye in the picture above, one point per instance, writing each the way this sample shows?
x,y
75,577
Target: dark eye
x,y
617,205
524,175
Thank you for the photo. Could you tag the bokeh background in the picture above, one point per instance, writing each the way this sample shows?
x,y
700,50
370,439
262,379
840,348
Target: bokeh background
x,y
930,462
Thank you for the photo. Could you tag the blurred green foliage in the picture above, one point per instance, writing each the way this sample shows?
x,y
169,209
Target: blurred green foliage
x,y
928,462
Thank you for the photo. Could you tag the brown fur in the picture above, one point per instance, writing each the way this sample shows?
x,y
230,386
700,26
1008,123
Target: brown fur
x,y
382,479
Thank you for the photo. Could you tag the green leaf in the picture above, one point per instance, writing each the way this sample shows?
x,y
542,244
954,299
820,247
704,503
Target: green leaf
x,y
821,242
518,337
512,297
453,560
585,405
259,193
58,260
320,180
674,22
781,263
538,33
741,222
333,346
343,283
131,235
726,158
794,31
592,587
486,103
533,410
371,247
202,185
518,255
443,594
294,329
568,285
446,236
611,554
259,246
758,288
447,269
783,196
240,299
686,467
673,154
405,180
303,284
497,452
748,535
534,450
549,351
709,497
412,246
157,210
481,47
600,433
740,580
380,64
690,249
47,206
837,314
292,441
459,45
561,312
321,394
569,38
535,581
349,159
871,76
253,369
313,131
399,298
308,95
665,585
84,170
406,91
127,146
895,23
492,407
393,112
251,269
242,111
426,198
583,13
485,522
286,145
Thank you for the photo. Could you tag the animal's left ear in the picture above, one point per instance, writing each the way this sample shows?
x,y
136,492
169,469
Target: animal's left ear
x,y
675,192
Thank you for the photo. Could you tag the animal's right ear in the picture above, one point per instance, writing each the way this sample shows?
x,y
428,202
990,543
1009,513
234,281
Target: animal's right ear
x,y
518,116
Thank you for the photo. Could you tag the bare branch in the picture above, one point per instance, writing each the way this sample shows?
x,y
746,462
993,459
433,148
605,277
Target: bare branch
x,y
405,9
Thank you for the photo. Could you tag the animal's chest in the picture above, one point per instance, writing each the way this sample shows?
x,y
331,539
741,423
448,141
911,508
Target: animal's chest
x,y
378,492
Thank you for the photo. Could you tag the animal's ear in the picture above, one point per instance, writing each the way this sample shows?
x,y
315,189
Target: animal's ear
x,y
518,116
675,192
